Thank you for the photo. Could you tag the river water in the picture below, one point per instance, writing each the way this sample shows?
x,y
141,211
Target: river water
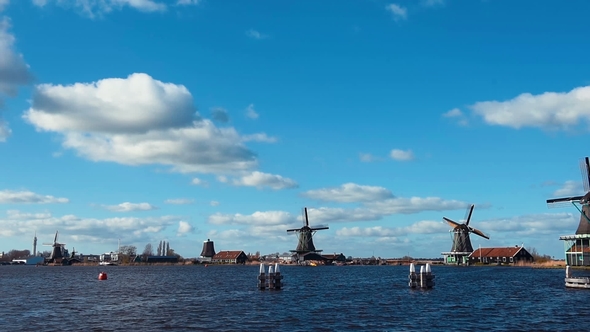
x,y
323,298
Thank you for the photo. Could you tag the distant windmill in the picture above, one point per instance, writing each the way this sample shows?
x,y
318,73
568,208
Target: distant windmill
x,y
462,247
305,236
57,254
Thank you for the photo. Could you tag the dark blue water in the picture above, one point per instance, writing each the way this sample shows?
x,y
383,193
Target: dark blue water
x,y
325,298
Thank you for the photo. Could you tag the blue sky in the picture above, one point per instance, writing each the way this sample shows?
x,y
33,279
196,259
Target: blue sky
x,y
184,120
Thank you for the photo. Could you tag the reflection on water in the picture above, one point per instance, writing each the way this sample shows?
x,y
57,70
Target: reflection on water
x,y
331,298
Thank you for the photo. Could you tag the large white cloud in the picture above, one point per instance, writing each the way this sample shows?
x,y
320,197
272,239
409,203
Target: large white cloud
x,y
350,192
28,197
129,207
14,71
421,227
80,230
138,120
136,104
261,180
549,110
93,8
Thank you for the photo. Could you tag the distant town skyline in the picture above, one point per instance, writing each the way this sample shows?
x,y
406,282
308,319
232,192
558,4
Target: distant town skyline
x,y
151,120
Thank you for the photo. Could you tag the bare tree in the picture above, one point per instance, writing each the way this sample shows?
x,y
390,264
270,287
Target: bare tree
x,y
167,251
148,251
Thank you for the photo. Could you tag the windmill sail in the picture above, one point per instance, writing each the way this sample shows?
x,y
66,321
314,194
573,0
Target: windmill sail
x,y
305,236
461,240
583,200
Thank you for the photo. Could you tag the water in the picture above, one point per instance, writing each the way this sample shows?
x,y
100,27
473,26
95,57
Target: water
x,y
325,298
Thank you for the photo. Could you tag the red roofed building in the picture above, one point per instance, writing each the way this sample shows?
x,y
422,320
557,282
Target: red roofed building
x,y
505,255
230,257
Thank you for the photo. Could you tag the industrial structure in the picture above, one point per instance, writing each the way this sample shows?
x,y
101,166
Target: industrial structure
x,y
577,246
462,248
306,250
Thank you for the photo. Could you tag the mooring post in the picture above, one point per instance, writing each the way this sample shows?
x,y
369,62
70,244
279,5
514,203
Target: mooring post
x,y
261,278
278,278
270,278
413,277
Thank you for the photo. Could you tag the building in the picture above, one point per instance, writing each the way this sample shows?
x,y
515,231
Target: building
x,y
208,251
230,257
506,255
335,258
161,259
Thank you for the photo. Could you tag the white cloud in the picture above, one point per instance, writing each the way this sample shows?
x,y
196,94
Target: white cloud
x,y
416,204
251,112
570,188
455,112
401,155
16,214
255,34
179,201
136,121
432,3
198,182
421,227
187,2
549,110
257,218
105,106
14,71
3,4
128,207
28,197
184,228
367,157
350,192
74,229
260,137
214,203
398,11
260,180
93,8
532,224
220,114
5,131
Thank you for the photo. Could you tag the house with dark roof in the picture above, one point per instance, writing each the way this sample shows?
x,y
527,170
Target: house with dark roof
x,y
504,255
230,257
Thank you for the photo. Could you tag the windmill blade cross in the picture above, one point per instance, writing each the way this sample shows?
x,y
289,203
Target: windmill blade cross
x,y
585,170
478,232
557,202
451,223
468,214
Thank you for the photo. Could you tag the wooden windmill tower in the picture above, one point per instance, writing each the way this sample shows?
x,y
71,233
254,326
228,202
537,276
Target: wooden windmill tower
x,y
305,245
58,254
462,247
577,246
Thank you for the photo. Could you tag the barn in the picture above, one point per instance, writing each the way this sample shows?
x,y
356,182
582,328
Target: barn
x,y
501,255
230,257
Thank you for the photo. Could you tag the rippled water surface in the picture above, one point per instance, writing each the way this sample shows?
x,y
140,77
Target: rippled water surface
x,y
326,298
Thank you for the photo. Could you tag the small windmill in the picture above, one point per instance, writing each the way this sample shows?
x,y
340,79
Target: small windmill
x,y
462,247
577,246
57,254
305,235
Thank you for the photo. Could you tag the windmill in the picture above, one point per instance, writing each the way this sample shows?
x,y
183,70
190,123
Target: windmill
x,y
305,235
57,254
577,246
462,247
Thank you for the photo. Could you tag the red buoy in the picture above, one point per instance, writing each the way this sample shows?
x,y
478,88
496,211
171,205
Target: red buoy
x,y
102,276
206,265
